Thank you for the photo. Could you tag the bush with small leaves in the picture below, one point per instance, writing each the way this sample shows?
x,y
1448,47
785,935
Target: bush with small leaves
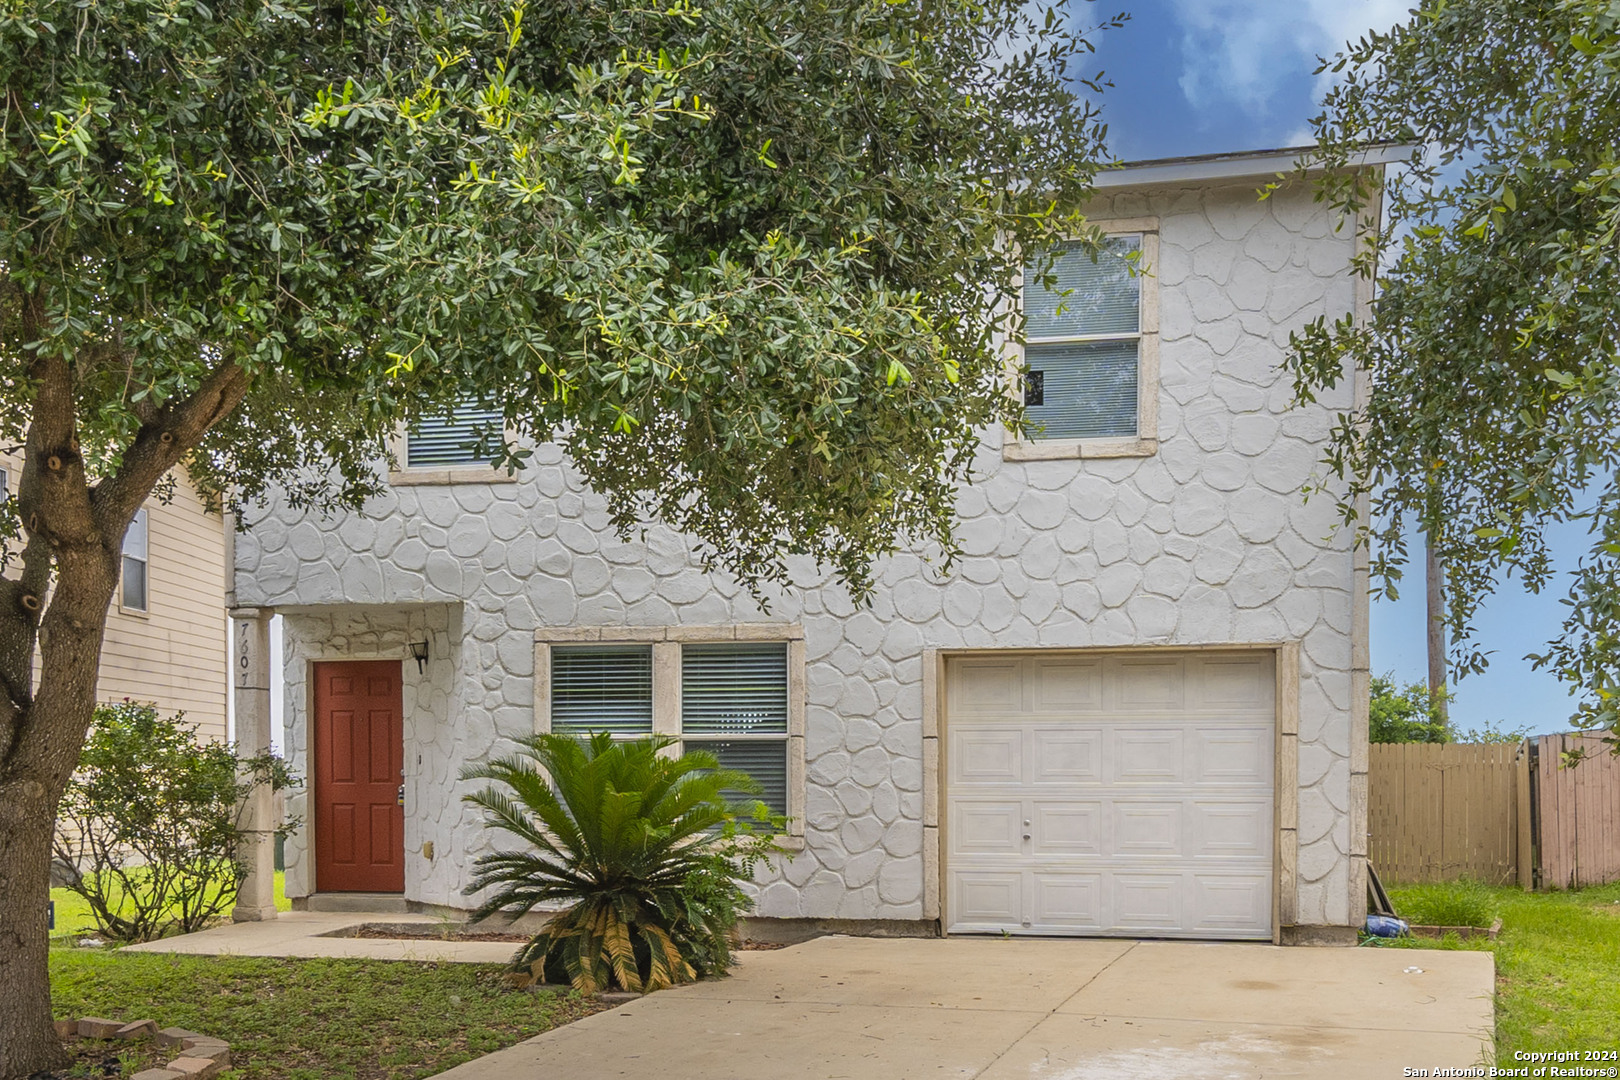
x,y
149,828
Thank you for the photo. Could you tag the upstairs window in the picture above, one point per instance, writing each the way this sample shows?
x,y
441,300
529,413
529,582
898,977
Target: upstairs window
x,y
451,440
133,586
733,702
1083,343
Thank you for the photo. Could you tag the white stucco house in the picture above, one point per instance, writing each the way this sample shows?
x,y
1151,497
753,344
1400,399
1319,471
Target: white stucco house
x,y
1136,707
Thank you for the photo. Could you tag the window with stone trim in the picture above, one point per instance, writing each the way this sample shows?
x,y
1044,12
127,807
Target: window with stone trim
x,y
732,701
1090,357
453,439
1083,341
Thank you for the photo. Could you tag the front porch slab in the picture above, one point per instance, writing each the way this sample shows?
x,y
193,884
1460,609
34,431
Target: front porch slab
x,y
307,934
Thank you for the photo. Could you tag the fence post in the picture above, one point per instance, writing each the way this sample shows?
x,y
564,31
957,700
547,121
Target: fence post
x,y
1525,854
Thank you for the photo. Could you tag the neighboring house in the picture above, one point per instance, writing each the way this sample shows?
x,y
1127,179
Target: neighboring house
x,y
1137,706
165,641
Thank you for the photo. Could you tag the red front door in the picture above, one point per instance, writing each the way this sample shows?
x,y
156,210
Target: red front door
x,y
359,759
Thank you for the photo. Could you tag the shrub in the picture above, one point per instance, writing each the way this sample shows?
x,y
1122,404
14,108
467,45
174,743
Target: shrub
x,y
647,851
148,829
1452,903
1405,714
1492,732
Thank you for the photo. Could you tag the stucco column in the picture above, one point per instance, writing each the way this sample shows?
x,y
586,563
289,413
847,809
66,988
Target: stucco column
x,y
250,678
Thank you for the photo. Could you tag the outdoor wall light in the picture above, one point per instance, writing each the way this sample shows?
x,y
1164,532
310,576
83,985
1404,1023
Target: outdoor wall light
x,y
419,650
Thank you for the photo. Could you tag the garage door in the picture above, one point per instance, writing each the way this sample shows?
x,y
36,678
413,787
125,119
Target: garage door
x,y
1121,795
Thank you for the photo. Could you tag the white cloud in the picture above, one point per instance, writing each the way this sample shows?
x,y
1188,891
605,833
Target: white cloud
x,y
1238,52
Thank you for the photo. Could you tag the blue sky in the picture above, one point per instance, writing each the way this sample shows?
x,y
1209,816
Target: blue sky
x,y
1211,76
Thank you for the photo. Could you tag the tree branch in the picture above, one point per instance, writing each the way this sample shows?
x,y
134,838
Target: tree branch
x,y
162,443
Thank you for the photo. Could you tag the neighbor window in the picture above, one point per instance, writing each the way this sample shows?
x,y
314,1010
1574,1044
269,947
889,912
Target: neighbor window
x,y
453,439
135,562
1083,342
733,702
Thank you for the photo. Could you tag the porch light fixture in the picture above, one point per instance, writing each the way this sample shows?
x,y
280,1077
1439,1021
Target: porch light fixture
x,y
419,650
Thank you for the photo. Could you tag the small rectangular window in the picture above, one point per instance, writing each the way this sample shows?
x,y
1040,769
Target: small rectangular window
x,y
1083,340
136,552
453,439
602,688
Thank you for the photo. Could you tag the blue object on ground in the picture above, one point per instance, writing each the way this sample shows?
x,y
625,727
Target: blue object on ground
x,y
1385,926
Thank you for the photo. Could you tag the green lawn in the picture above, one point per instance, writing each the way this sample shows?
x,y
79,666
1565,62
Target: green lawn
x,y
315,1019
1557,965
73,914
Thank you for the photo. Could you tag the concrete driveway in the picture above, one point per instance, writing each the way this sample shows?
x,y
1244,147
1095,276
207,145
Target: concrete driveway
x,y
1024,1009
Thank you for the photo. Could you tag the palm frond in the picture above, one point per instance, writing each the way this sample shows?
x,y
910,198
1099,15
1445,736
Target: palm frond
x,y
643,850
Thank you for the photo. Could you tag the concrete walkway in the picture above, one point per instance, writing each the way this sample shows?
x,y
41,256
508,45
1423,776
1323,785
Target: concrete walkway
x,y
306,933
872,1009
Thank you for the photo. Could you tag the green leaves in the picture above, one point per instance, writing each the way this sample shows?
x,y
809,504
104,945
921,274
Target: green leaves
x,y
752,263
646,850
1492,351
150,823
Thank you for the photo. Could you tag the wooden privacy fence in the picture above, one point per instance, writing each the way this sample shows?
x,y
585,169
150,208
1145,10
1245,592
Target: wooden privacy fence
x,y
1578,813
1495,812
1441,812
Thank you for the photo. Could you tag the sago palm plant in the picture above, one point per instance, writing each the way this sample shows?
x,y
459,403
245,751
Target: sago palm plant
x,y
645,849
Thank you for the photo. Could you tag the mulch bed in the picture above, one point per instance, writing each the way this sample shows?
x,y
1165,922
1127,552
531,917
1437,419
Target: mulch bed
x,y
392,934
436,935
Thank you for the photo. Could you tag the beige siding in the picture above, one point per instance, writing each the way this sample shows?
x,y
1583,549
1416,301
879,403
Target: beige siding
x,y
174,654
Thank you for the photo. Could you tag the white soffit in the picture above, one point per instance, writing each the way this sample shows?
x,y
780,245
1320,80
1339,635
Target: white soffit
x,y
1238,166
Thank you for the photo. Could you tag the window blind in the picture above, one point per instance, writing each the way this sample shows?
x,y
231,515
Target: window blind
x,y
1088,387
601,688
764,760
450,440
1086,298
734,689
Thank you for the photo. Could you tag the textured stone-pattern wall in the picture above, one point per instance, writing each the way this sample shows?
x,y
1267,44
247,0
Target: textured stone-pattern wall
x,y
1208,541
432,699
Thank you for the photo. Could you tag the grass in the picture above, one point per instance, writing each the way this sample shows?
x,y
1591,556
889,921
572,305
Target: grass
x,y
315,1019
1457,903
73,918
1557,963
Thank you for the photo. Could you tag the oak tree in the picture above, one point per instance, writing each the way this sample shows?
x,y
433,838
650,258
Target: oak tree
x,y
1494,410
748,260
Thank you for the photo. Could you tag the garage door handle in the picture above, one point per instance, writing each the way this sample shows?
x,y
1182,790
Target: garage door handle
x,y
1026,836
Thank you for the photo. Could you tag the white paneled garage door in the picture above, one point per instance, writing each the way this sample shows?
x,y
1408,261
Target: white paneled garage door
x,y
1110,794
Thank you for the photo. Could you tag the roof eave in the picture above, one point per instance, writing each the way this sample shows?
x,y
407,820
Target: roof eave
x,y
1254,163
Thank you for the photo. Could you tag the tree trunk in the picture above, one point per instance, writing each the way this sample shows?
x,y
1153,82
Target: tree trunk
x,y
33,776
1435,582
28,1044
78,529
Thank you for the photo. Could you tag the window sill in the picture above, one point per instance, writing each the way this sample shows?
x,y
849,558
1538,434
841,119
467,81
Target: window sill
x,y
135,613
466,474
1077,449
